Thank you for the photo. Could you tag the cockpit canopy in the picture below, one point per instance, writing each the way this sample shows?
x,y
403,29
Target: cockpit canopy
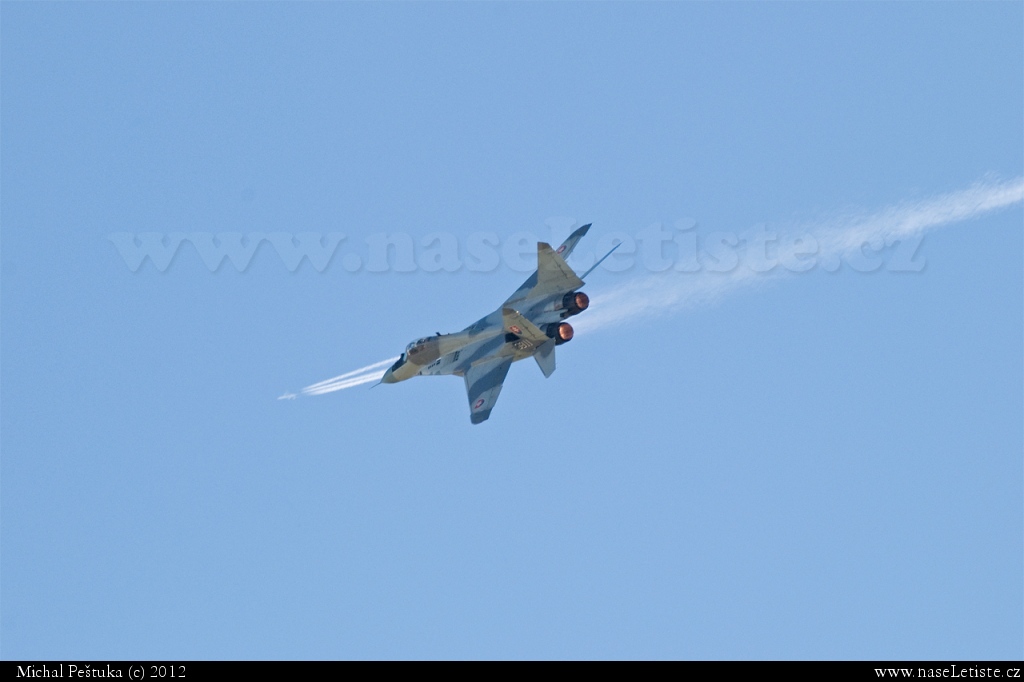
x,y
416,343
423,351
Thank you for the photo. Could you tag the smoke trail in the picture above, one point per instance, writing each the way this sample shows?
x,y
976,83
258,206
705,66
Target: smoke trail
x,y
670,291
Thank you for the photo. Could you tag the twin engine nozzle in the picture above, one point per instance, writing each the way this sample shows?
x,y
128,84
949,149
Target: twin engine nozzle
x,y
561,332
575,302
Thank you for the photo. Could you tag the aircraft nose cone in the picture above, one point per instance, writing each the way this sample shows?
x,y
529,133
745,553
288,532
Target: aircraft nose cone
x,y
388,378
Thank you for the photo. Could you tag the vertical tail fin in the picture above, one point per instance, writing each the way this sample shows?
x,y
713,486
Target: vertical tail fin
x,y
545,357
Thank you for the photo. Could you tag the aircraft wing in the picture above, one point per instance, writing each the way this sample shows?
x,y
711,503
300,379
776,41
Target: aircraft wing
x,y
570,242
483,384
553,274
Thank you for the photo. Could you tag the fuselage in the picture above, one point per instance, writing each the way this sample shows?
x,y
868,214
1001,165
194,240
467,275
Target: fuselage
x,y
445,354
530,323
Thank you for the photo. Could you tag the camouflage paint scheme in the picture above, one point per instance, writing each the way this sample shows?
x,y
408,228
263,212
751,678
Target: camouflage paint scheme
x,y
530,323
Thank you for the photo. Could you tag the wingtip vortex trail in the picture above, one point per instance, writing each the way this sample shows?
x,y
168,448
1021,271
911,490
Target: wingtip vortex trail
x,y
661,293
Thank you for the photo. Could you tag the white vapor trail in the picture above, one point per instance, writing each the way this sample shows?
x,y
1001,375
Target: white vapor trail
x,y
356,377
670,291
348,383
347,375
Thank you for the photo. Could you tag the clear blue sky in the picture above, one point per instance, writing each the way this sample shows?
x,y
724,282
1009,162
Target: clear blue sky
x,y
830,467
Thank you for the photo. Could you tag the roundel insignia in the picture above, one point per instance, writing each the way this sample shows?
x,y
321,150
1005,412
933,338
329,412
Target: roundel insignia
x,y
478,403
561,249
515,330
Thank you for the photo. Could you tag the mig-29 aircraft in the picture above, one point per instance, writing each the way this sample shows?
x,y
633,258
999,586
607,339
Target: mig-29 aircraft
x,y
529,324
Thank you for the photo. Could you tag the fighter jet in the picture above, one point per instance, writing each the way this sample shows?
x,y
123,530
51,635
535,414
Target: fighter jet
x,y
530,323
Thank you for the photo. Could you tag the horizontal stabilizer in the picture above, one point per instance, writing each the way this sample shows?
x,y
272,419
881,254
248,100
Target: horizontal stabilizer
x,y
522,327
